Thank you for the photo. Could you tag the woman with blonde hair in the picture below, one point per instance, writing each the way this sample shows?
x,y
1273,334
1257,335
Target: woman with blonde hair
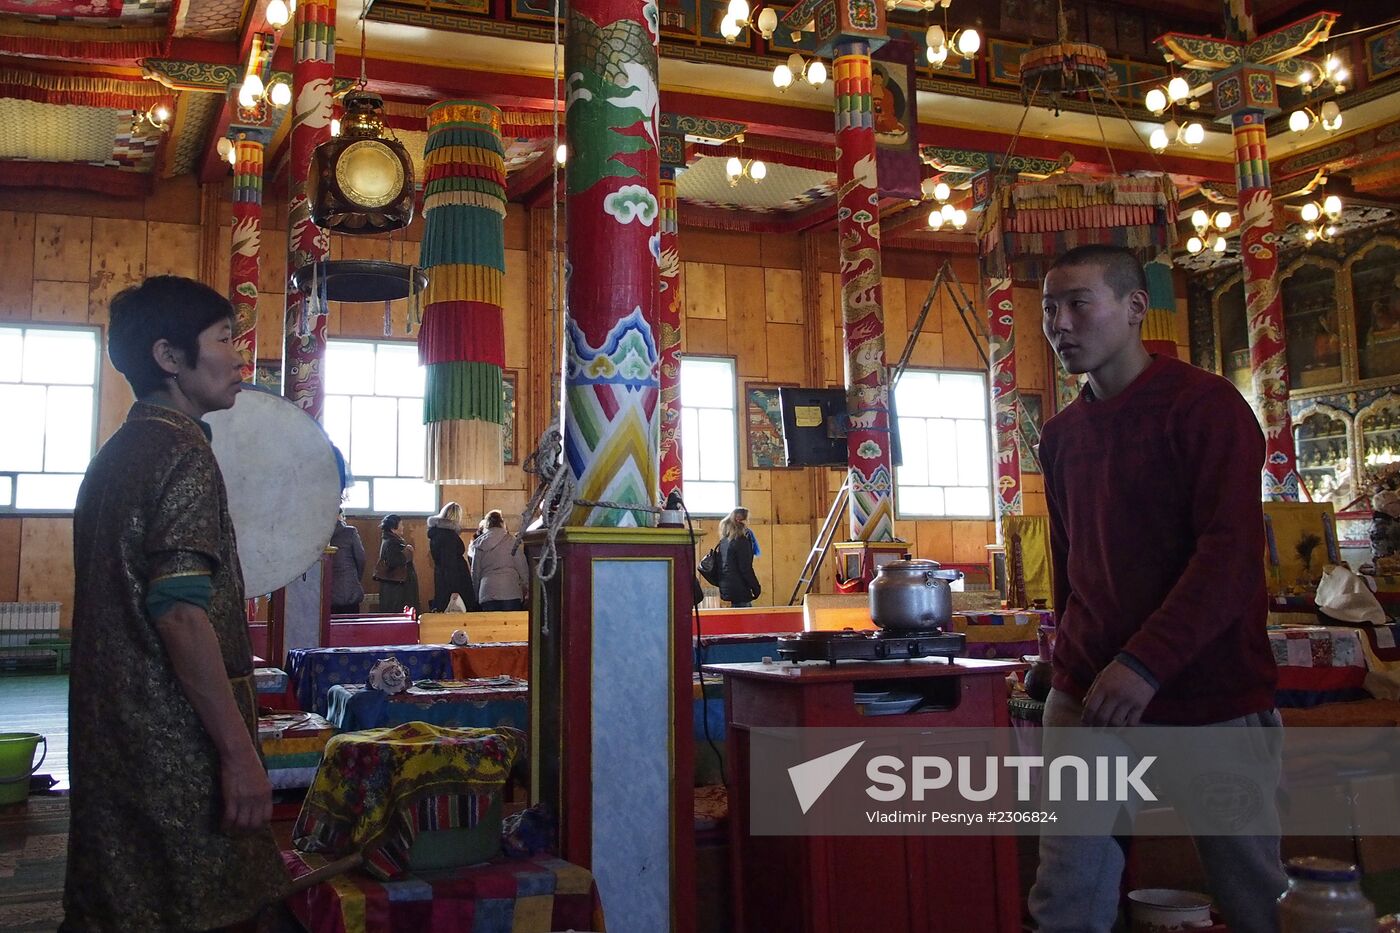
x,y
737,582
450,571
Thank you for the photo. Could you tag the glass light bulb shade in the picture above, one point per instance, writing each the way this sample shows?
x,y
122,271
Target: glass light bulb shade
x,y
758,170
280,94
935,38
1178,90
816,73
1332,206
247,98
1305,76
1341,76
1172,129
960,218
225,146
738,10
1222,220
947,211
1310,212
935,219
1158,140
160,114
1194,245
253,84
1200,219
936,58
782,77
969,41
1194,134
1156,100
1310,235
1330,110
1332,126
729,28
561,153
1299,121
277,14
1219,245
768,21
734,168
795,64
1331,231
233,157
941,191
1330,64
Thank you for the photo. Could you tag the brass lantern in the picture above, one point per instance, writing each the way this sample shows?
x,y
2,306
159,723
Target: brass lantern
x,y
361,181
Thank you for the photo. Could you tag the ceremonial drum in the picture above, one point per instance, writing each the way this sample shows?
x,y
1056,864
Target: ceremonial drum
x,y
283,486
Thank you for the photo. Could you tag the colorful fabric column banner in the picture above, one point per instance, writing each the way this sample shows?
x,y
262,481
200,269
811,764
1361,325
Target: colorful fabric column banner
x,y
305,326
862,314
612,366
1159,327
1006,396
670,330
246,244
462,341
896,112
1268,358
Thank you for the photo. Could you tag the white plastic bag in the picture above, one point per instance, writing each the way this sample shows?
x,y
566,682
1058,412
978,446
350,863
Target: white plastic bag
x,y
1345,596
455,604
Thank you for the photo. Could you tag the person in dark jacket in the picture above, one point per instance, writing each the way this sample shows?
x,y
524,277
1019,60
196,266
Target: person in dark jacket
x,y
737,582
347,569
450,571
396,552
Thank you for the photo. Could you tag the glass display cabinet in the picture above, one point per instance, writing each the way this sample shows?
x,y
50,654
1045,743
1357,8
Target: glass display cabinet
x,y
1323,437
1313,322
1379,427
1375,298
1232,334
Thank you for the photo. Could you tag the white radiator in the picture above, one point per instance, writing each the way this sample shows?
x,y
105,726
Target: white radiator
x,y
21,623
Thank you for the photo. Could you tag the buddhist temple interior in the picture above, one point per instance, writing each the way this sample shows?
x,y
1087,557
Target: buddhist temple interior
x,y
569,260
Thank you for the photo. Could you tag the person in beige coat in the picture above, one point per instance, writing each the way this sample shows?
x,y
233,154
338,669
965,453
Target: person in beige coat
x,y
499,568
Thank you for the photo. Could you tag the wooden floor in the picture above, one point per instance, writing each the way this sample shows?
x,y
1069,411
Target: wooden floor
x,y
39,703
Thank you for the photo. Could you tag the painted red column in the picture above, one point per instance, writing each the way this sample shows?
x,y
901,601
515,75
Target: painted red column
x,y
862,313
670,337
246,246
1006,396
305,328
1268,360
611,379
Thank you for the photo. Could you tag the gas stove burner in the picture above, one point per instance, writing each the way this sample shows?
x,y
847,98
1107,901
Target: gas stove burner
x,y
849,645
886,633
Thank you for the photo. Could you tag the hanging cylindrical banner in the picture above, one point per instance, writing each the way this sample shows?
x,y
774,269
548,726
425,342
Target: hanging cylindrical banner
x,y
868,440
1006,397
462,340
1159,327
1268,357
305,326
670,349
612,379
246,246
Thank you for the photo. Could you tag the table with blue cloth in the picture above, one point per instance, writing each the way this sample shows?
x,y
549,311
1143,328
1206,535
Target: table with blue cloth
x,y
315,670
479,704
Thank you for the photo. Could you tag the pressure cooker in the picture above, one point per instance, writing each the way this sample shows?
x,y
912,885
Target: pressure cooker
x,y
912,595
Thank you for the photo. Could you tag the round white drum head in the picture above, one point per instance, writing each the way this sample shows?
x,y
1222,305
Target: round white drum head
x,y
283,486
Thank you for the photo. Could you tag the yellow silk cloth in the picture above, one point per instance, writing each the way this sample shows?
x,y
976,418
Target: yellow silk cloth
x,y
1035,554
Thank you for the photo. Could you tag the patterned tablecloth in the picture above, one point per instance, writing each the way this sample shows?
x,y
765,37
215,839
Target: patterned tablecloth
x,y
292,744
1318,664
491,659
270,680
1009,634
506,896
315,670
478,704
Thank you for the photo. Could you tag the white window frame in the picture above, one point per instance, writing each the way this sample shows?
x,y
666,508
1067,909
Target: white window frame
x,y
691,464
911,446
360,498
10,479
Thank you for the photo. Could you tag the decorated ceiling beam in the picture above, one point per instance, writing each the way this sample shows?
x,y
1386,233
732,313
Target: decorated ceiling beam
x,y
82,85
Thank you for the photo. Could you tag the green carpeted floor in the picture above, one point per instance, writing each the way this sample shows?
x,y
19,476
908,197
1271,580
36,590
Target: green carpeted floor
x,y
33,852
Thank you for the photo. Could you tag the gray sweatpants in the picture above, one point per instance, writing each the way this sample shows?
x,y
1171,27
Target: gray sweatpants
x,y
1078,879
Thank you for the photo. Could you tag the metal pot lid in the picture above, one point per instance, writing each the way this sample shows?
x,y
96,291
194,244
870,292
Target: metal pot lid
x,y
911,564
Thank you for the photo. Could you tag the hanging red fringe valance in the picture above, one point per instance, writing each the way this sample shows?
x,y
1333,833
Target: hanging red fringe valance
x,y
462,330
98,178
92,49
80,90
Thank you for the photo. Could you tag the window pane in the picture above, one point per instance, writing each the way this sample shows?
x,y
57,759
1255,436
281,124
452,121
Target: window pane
x,y
942,452
7,490
349,367
374,436
968,500
711,498
920,500
68,435
404,495
22,427
64,356
962,395
398,372
335,418
357,496
913,438
690,444
708,382
972,453
717,440
917,394
11,353
413,437
50,491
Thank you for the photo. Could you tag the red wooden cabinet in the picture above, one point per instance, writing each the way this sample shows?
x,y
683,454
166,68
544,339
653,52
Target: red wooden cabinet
x,y
865,884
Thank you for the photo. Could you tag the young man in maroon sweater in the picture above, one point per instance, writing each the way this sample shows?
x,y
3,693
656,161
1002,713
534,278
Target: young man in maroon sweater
x,y
1157,536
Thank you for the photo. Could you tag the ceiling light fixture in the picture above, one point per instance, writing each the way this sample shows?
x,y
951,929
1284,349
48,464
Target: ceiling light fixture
x,y
938,44
738,168
277,14
1322,218
786,74
561,154
738,17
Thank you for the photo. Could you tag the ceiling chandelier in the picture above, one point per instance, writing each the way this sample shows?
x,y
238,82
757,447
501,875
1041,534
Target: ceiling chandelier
x,y
738,167
945,213
1322,218
1209,227
737,19
1332,74
813,71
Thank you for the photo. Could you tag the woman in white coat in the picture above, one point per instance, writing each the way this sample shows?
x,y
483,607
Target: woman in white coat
x,y
501,574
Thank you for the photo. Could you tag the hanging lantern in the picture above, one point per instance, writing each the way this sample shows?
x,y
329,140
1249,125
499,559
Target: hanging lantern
x,y
361,181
